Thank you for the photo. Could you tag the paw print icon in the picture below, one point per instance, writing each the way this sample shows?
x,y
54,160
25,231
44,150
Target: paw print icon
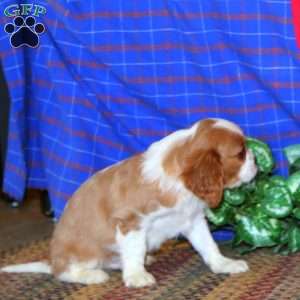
x,y
24,32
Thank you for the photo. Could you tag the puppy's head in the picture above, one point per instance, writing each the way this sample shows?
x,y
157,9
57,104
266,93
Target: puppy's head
x,y
215,158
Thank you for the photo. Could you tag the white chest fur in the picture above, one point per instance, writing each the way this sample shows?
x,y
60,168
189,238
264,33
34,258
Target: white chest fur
x,y
154,229
168,223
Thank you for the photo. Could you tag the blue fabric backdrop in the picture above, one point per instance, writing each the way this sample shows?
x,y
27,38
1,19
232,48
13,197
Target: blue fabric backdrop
x,y
108,78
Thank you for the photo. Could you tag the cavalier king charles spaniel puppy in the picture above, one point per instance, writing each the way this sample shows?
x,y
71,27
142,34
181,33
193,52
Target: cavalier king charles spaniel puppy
x,y
129,209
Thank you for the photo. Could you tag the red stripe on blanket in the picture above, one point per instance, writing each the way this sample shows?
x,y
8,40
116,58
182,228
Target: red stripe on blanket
x,y
296,19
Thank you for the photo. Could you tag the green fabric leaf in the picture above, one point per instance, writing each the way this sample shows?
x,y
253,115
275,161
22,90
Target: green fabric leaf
x,y
220,216
262,153
295,167
259,231
296,213
234,196
294,239
277,202
293,183
292,153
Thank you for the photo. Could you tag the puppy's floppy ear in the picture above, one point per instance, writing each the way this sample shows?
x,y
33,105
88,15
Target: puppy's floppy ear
x,y
203,175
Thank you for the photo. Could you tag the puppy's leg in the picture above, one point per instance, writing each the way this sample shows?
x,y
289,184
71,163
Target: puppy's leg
x,y
85,273
133,250
200,237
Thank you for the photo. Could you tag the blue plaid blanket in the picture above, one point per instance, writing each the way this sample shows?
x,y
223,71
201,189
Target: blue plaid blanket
x,y
101,80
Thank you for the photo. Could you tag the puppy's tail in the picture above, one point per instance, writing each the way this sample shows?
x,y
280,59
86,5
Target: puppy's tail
x,y
34,267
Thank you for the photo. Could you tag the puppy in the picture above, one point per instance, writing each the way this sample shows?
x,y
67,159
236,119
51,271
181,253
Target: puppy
x,y
129,209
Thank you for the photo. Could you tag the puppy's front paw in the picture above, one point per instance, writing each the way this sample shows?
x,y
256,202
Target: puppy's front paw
x,y
231,266
139,279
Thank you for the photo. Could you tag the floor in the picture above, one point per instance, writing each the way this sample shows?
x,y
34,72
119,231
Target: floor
x,y
23,224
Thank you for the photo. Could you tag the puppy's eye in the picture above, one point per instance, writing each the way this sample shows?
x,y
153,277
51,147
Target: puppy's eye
x,y
242,153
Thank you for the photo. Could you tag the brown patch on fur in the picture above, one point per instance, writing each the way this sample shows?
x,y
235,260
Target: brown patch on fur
x,y
203,175
174,161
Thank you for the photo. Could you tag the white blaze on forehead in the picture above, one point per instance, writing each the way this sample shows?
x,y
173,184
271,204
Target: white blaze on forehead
x,y
152,166
228,125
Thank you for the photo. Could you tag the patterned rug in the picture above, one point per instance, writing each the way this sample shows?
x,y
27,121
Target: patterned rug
x,y
179,272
